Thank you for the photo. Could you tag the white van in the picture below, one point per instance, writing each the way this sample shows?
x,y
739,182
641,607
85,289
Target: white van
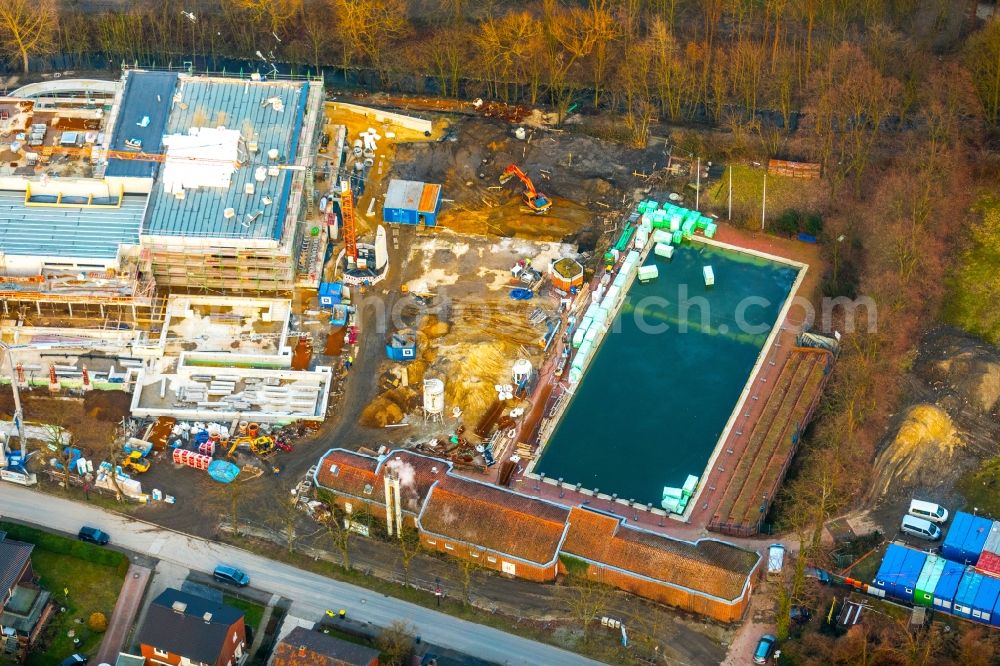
x,y
775,559
928,511
920,528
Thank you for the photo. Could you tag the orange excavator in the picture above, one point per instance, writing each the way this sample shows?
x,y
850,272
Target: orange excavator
x,y
533,199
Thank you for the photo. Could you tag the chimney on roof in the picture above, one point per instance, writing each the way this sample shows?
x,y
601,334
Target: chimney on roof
x,y
207,617
179,606
302,650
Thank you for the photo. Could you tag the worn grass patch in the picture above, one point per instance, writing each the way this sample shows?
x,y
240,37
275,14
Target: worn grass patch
x,y
981,488
92,577
783,193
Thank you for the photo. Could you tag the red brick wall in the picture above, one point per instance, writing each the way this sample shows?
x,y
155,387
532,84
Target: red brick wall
x,y
523,570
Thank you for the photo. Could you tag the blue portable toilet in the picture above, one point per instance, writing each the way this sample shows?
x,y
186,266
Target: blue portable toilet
x,y
986,599
966,595
947,586
965,539
330,294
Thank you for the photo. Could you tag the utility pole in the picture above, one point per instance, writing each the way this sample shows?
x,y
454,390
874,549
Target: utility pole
x,y
763,201
697,186
730,215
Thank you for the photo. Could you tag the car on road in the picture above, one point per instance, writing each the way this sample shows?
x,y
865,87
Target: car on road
x,y
230,575
74,660
765,648
93,535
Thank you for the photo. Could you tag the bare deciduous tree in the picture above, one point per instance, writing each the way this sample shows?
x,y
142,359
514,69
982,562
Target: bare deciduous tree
x,y
27,28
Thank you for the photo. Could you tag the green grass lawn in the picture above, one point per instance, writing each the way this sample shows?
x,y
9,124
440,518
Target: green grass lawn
x,y
92,575
783,193
252,613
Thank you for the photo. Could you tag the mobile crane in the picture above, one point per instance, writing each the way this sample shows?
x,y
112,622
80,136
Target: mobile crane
x,y
533,199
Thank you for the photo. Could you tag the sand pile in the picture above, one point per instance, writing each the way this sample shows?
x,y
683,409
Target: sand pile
x,y
470,381
389,408
926,440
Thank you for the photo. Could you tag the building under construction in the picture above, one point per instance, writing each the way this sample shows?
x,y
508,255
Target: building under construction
x,y
114,192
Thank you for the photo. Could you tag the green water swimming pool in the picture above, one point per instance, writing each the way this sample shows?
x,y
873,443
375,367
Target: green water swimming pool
x,y
656,397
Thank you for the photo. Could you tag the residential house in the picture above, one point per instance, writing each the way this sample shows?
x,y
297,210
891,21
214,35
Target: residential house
x,y
24,606
182,629
304,647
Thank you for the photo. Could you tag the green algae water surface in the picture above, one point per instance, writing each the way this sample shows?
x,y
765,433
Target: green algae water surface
x,y
658,394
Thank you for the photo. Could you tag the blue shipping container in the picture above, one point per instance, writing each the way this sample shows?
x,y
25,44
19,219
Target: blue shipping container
x,y
964,541
966,594
947,587
909,571
986,599
889,568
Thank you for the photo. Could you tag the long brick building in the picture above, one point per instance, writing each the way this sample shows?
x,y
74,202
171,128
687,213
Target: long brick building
x,y
528,537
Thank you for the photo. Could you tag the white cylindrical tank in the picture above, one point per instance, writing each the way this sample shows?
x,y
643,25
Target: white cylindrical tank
x,y
522,370
433,396
260,174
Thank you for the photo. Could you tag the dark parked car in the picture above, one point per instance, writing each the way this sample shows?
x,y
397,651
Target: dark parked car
x,y
230,575
93,535
765,648
74,660
799,614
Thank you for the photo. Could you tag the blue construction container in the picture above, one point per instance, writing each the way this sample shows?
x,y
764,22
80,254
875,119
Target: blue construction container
x,y
947,585
966,594
899,571
889,567
964,541
909,572
411,202
986,599
330,294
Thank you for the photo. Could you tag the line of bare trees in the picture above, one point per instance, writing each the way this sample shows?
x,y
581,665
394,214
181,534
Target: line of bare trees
x,y
668,59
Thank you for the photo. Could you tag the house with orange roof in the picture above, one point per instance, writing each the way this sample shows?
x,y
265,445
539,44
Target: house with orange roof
x,y
512,533
708,576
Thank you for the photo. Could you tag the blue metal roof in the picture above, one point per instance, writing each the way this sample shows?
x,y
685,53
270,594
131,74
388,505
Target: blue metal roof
x,y
240,105
146,94
966,537
947,586
72,232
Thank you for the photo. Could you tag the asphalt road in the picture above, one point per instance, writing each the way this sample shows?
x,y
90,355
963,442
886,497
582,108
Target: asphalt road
x,y
311,594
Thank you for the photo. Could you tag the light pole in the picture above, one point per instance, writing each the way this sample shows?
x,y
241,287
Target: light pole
x,y
763,201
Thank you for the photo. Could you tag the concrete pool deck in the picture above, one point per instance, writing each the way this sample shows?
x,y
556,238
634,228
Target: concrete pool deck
x,y
728,450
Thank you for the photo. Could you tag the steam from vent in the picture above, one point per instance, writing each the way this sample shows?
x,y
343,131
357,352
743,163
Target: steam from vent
x,y
406,473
